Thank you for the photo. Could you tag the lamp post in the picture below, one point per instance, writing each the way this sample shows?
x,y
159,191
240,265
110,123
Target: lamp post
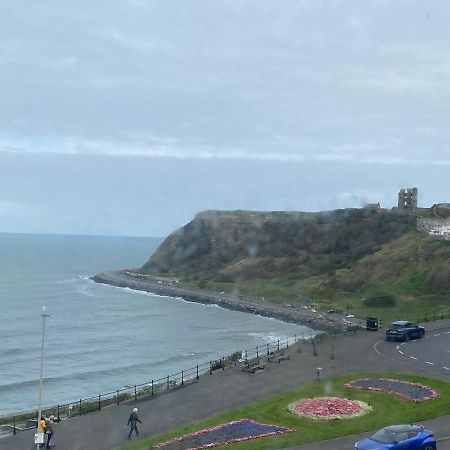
x,y
44,315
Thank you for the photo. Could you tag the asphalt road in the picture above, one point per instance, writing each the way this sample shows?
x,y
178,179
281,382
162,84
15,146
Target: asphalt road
x,y
430,354
225,390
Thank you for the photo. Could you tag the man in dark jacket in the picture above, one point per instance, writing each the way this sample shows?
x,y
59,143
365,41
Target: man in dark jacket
x,y
132,421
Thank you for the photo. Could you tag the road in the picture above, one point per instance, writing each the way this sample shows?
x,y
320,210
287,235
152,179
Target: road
x,y
430,354
229,389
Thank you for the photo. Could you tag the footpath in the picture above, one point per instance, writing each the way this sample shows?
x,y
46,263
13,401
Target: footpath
x,y
228,389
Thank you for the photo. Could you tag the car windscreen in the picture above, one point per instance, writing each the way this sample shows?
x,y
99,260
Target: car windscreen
x,y
397,325
387,436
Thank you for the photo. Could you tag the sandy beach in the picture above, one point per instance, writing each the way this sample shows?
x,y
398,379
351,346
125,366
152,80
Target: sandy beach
x,y
168,287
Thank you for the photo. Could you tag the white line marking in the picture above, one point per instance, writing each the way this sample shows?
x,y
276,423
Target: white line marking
x,y
430,363
445,368
413,357
398,347
436,334
400,352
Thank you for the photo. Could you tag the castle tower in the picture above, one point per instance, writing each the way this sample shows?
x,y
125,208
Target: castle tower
x,y
407,199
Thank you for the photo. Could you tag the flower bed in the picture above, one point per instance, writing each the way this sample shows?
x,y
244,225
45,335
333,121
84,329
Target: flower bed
x,y
415,392
239,430
329,408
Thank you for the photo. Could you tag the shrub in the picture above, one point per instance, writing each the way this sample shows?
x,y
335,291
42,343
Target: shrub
x,y
381,300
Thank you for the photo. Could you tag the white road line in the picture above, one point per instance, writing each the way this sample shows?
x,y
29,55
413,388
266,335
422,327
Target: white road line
x,y
413,357
436,334
430,363
445,368
400,352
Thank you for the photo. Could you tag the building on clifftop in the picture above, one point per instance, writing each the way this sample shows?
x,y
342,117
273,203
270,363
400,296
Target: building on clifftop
x,y
407,199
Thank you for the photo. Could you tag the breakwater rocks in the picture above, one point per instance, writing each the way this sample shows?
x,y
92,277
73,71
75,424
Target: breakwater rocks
x,y
172,288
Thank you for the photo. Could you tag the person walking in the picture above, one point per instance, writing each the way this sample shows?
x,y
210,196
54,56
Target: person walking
x,y
132,421
41,429
49,431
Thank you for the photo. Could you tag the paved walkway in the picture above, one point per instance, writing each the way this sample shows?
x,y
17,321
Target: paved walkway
x,y
222,391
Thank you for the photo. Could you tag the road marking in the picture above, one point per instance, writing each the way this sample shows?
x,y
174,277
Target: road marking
x,y
445,368
400,352
436,334
413,357
430,363
398,346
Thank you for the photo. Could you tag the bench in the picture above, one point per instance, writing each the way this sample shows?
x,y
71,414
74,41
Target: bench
x,y
253,366
278,357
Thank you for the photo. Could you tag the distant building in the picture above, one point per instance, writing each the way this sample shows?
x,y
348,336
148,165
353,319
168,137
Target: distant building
x,y
407,199
372,205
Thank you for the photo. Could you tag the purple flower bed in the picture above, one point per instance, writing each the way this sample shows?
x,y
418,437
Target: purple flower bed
x,y
239,430
415,392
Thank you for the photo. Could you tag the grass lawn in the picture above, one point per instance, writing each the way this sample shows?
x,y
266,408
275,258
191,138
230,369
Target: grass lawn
x,y
386,409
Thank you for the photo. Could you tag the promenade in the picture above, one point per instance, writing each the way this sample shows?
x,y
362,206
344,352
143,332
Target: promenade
x,y
229,389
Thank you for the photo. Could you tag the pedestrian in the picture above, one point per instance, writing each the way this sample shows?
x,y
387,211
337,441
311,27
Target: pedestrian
x,y
41,428
132,421
50,431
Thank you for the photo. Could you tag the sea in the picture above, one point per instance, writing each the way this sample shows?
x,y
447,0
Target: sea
x,y
100,338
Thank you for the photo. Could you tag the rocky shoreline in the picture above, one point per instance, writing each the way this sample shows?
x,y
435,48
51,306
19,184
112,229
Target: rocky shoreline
x,y
285,313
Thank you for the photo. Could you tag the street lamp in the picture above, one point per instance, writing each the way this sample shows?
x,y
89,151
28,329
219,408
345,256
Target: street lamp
x,y
44,315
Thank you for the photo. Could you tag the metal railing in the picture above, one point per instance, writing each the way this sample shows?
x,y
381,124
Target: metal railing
x,y
179,379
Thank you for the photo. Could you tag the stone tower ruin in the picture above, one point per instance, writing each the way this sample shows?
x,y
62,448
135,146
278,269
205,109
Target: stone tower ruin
x,y
407,199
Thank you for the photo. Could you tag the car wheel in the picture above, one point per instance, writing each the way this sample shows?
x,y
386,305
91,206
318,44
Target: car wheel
x,y
428,447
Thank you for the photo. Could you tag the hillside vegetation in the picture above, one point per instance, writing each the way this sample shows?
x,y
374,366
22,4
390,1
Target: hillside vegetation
x,y
329,256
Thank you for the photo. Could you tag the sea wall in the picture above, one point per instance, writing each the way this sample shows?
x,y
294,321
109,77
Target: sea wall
x,y
228,301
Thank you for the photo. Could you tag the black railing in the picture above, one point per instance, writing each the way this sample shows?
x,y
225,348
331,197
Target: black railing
x,y
186,376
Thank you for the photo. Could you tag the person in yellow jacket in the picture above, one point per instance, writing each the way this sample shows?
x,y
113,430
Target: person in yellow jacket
x,y
42,425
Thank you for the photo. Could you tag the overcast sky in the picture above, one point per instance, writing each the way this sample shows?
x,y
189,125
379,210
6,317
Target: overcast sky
x,y
129,116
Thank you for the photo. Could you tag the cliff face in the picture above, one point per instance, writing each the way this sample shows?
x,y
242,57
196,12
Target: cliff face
x,y
240,245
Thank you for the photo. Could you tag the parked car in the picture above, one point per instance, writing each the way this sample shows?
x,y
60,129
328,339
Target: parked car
x,y
399,437
404,331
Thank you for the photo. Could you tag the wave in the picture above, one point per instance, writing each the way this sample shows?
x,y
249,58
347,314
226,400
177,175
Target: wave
x,y
94,375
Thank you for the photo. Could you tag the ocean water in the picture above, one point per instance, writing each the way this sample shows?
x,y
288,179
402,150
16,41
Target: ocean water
x,y
100,338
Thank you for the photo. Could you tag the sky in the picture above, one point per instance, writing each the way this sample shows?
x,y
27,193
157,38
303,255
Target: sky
x,y
128,117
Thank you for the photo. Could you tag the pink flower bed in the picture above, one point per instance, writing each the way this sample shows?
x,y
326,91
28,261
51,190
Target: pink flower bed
x,y
414,392
329,408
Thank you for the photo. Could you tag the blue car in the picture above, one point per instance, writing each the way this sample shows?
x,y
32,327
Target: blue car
x,y
399,437
404,331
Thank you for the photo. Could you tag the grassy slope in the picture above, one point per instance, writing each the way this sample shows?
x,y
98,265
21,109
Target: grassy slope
x,y
335,258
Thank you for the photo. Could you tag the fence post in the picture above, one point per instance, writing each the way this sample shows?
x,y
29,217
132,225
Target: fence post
x,y
100,400
223,362
58,415
278,344
168,382
257,352
197,372
79,409
135,393
246,356
14,426
117,396
287,343
268,349
182,378
210,367
152,387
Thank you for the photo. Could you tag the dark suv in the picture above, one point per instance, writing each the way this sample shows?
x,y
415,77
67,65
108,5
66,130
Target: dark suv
x,y
404,331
